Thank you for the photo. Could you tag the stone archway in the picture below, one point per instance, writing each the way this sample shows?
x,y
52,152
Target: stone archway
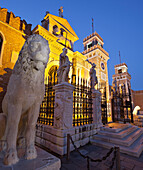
x,y
2,42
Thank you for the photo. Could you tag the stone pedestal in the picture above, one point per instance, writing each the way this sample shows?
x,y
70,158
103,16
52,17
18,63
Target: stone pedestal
x,y
96,99
55,137
44,161
63,110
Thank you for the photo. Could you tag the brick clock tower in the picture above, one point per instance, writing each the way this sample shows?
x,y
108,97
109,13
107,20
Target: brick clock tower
x,y
122,76
93,50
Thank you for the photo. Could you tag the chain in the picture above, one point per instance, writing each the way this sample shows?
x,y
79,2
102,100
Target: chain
x,y
104,157
96,160
77,148
113,159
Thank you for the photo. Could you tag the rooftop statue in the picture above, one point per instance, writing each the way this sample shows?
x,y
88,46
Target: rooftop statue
x,y
61,12
64,67
93,77
21,104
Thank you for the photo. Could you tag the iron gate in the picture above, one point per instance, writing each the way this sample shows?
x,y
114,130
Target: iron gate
x,y
46,115
122,105
102,90
104,106
82,102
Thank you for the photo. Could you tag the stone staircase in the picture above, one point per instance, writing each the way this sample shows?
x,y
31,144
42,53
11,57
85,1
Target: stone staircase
x,y
138,119
128,137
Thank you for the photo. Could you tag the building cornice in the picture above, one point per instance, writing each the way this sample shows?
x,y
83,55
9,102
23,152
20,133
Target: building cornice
x,y
12,28
94,48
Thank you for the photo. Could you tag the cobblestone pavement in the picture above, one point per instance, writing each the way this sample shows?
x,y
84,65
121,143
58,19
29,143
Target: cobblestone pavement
x,y
76,162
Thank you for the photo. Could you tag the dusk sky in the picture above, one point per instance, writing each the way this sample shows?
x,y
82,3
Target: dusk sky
x,y
118,22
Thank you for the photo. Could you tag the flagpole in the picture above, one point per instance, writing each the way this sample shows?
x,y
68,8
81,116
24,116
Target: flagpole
x,y
119,57
92,26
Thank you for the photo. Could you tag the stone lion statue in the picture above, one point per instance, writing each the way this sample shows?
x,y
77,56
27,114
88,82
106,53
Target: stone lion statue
x,y
22,101
136,109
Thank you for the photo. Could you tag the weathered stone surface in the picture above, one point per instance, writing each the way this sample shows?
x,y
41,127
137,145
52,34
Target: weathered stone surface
x,y
64,67
56,139
129,139
24,95
96,99
44,161
93,77
63,112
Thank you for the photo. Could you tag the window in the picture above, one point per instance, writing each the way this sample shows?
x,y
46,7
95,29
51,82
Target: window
x,y
119,71
1,42
99,43
89,45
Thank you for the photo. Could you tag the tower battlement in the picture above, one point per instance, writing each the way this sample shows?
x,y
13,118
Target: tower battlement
x,y
14,21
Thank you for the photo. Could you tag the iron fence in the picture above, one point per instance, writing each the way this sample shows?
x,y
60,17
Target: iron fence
x,y
82,102
46,115
102,89
122,105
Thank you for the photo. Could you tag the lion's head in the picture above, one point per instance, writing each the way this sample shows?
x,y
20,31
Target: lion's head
x,y
33,55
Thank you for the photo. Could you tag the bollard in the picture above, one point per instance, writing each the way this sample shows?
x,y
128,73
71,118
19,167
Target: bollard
x,y
118,165
68,146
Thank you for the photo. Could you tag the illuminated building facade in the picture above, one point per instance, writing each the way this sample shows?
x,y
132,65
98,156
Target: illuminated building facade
x,y
12,32
94,51
59,34
121,94
121,75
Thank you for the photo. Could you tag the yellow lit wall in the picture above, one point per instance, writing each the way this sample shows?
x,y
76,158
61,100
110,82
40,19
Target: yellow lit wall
x,y
12,30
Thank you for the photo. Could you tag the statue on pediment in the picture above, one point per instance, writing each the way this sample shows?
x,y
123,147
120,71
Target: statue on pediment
x,y
61,12
92,73
64,67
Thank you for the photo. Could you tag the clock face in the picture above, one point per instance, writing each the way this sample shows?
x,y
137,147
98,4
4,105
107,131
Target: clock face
x,y
102,66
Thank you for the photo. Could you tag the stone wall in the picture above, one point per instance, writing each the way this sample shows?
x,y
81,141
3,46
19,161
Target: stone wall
x,y
56,139
137,97
12,31
15,22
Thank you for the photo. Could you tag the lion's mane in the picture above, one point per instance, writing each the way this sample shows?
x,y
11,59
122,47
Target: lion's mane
x,y
25,63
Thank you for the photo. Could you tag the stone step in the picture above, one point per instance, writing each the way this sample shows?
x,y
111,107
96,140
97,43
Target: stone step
x,y
134,150
120,134
126,141
115,127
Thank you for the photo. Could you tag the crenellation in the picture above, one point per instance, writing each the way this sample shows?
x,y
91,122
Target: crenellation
x,y
14,21
3,14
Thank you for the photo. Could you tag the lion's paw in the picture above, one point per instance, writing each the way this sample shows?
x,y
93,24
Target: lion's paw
x,y
11,157
31,152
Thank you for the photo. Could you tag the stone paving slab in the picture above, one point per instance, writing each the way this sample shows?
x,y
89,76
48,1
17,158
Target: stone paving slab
x,y
76,162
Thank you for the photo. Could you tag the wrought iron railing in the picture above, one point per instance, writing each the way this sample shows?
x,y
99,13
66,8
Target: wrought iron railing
x,y
122,105
102,89
82,102
46,115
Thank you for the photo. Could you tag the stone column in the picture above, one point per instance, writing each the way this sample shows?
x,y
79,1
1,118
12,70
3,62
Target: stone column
x,y
63,109
96,99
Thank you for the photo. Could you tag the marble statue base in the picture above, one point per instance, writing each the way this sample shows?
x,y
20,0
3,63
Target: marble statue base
x,y
56,139
44,161
96,100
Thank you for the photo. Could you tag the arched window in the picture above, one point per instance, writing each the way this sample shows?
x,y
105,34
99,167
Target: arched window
x,y
52,75
1,42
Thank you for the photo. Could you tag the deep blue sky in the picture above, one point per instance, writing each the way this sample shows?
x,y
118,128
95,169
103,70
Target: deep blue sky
x,y
118,22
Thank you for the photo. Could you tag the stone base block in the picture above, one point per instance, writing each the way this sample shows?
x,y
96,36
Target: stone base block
x,y
44,161
56,140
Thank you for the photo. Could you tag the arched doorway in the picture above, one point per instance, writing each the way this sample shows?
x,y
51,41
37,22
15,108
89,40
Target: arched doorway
x,y
1,46
1,43
52,75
